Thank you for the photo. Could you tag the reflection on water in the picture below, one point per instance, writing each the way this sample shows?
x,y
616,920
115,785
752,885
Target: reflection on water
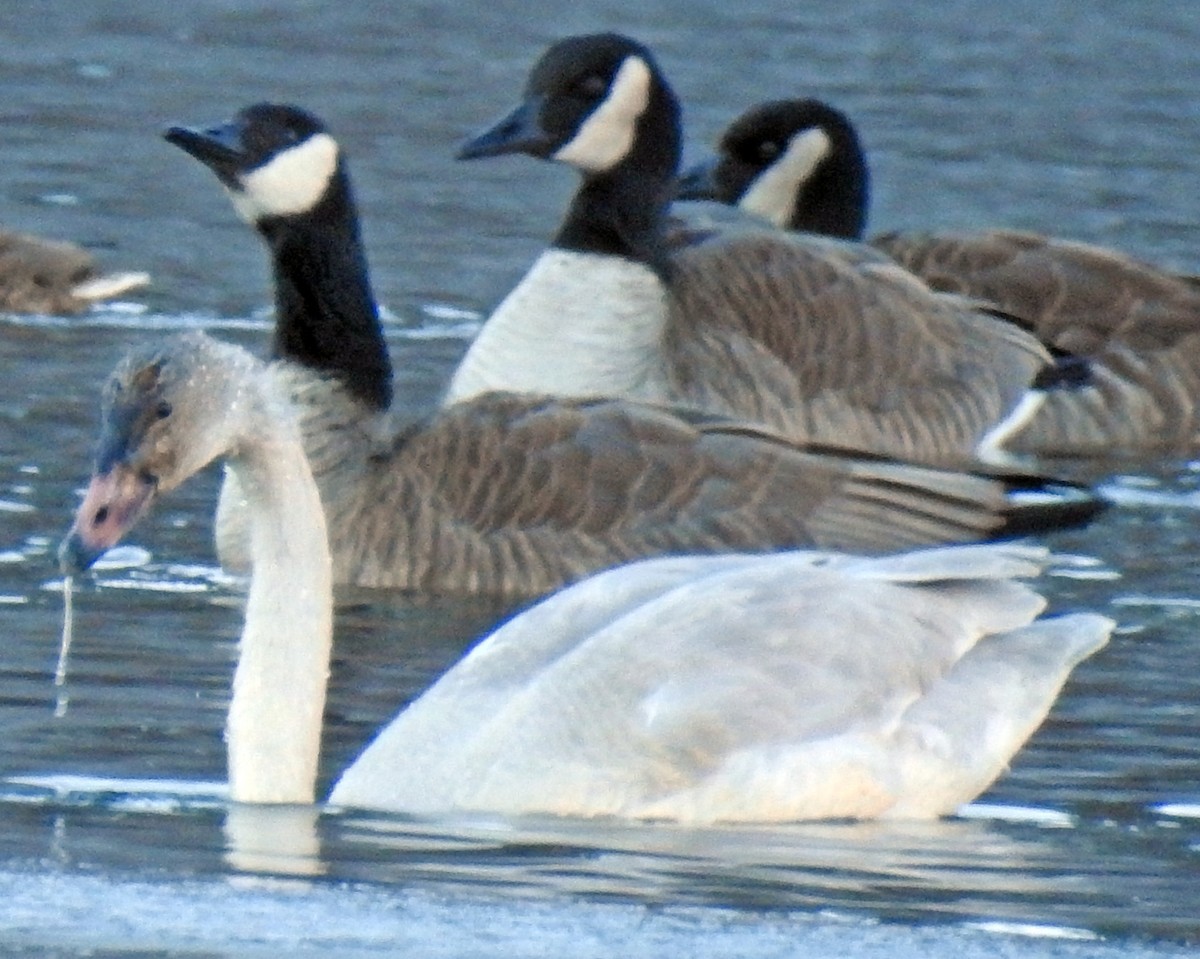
x,y
983,871
1092,837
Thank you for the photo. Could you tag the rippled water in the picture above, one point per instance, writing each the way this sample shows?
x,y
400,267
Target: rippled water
x,y
1077,119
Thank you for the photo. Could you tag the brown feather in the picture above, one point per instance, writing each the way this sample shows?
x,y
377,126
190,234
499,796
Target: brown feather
x,y
828,350
1139,325
516,495
49,276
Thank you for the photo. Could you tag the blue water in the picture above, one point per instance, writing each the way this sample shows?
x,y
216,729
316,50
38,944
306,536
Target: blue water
x,y
116,840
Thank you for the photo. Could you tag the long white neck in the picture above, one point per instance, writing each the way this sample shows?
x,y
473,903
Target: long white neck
x,y
273,734
578,324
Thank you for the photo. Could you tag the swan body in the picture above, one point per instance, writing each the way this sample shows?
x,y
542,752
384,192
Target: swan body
x,y
740,688
698,689
517,495
1137,326
751,324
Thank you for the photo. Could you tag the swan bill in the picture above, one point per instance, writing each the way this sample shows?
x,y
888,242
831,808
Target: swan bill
x,y
113,504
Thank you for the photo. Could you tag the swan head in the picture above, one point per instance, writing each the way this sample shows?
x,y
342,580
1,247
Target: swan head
x,y
274,159
594,102
781,161
167,412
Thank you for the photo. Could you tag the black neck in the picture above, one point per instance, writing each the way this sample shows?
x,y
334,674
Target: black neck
x,y
619,215
623,211
833,202
325,312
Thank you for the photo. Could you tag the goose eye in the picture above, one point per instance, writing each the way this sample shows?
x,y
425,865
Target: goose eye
x,y
163,410
592,86
274,139
768,150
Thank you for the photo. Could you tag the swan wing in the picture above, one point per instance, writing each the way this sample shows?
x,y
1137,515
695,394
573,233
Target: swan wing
x,y
706,688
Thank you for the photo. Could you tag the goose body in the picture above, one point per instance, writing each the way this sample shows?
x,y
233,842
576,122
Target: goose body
x,y
699,689
38,275
516,494
1136,325
820,346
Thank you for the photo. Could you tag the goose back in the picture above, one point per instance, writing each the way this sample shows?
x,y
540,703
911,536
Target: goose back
x,y
755,325
517,494
1136,325
918,376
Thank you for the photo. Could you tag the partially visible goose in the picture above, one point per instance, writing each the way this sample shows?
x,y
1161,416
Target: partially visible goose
x,y
801,165
288,179
749,325
38,275
701,689
503,494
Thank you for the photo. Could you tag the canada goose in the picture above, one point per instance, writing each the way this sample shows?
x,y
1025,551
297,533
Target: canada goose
x,y
702,689
38,275
516,495
754,326
801,165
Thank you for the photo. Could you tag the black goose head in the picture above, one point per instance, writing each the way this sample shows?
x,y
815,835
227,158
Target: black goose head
x,y
797,163
276,160
600,104
287,177
597,102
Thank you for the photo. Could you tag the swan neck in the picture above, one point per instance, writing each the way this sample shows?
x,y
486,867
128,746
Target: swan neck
x,y
275,717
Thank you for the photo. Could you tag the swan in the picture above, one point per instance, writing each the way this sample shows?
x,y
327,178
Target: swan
x,y
750,324
517,495
698,689
800,165
39,275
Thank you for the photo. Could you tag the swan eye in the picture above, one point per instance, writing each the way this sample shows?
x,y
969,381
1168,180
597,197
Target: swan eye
x,y
163,410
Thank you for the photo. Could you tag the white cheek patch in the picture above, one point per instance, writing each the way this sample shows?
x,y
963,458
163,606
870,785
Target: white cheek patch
x,y
606,136
292,182
772,195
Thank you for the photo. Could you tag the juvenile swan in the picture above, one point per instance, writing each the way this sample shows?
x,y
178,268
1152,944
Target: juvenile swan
x,y
816,344
800,164
700,689
516,495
